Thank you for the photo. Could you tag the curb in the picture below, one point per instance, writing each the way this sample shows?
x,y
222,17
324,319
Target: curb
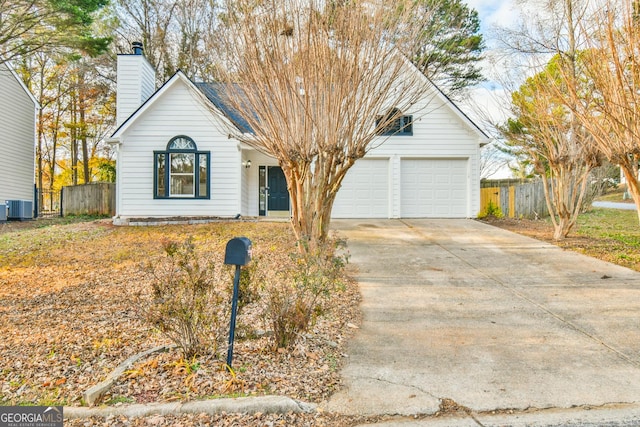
x,y
617,415
246,405
94,394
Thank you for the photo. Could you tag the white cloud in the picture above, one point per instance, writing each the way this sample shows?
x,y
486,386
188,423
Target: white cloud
x,y
487,103
493,12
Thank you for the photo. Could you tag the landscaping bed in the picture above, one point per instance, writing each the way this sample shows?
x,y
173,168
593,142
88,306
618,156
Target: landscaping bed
x,y
70,308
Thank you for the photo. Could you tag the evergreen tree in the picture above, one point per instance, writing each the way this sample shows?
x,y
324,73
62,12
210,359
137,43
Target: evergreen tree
x,y
28,26
450,44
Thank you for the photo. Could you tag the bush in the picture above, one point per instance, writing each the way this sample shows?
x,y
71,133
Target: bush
x,y
492,210
190,301
295,297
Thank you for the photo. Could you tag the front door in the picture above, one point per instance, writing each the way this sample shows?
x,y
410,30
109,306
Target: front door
x,y
278,195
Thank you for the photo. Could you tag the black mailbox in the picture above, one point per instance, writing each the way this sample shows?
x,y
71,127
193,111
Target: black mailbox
x,y
238,251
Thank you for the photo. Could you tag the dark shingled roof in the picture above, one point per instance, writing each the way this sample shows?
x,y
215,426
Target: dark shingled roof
x,y
216,93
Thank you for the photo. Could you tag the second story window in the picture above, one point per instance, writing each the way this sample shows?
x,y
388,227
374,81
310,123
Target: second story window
x,y
394,123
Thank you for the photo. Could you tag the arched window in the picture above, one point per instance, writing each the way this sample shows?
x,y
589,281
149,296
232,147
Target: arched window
x,y
181,171
394,123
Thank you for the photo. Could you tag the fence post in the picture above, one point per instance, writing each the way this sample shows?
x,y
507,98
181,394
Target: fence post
x,y
36,205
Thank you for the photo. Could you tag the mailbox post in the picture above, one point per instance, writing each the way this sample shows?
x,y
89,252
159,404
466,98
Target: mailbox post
x,y
238,253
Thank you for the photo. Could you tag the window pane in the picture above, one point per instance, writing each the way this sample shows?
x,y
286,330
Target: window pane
x,y
394,126
407,124
182,144
203,187
182,185
182,162
181,174
160,169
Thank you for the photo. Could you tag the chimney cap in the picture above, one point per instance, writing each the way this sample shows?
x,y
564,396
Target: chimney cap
x,y
137,48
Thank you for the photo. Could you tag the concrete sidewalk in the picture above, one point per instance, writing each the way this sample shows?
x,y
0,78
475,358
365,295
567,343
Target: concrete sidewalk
x,y
460,311
615,205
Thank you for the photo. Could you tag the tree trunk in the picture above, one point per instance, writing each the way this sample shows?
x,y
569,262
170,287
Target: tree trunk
x,y
564,195
311,203
631,174
74,140
83,128
85,149
40,127
561,231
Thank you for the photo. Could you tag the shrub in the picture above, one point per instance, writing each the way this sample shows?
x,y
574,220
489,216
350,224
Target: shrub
x,y
492,210
295,297
190,299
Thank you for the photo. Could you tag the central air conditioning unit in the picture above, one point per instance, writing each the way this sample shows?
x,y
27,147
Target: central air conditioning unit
x,y
3,212
20,209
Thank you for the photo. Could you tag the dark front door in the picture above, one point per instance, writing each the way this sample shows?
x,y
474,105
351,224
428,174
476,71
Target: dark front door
x,y
278,199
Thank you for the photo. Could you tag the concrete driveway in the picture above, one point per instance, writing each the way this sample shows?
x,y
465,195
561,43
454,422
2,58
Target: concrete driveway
x,y
460,310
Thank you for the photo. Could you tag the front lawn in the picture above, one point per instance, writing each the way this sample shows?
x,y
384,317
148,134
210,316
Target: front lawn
x,y
69,313
611,235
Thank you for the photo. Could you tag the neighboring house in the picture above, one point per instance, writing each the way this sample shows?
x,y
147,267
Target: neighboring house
x,y
18,109
175,160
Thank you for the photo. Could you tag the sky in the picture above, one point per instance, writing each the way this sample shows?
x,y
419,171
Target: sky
x,y
489,96
492,12
487,99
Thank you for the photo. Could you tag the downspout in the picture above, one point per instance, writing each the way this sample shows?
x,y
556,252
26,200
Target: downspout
x,y
115,143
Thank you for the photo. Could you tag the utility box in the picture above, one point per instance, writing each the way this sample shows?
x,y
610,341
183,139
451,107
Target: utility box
x,y
238,251
3,212
20,209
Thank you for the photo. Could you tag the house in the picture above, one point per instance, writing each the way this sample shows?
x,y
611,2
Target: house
x,y
18,109
175,160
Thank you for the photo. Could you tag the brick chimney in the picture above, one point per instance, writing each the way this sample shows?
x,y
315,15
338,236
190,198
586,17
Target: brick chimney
x,y
136,82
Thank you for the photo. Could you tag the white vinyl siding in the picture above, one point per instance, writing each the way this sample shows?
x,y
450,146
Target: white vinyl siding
x,y
251,200
442,156
176,112
365,191
439,133
376,187
136,83
17,139
434,188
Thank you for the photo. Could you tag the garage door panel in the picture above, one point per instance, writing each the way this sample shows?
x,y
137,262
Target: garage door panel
x,y
365,191
434,188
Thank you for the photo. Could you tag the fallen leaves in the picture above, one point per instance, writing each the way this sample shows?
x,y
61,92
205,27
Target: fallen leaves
x,y
227,420
69,318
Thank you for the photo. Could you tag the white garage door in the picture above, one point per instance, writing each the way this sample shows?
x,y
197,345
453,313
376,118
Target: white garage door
x,y
365,191
434,188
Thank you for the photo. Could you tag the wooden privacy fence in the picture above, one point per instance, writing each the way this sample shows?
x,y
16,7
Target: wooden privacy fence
x,y
514,198
89,199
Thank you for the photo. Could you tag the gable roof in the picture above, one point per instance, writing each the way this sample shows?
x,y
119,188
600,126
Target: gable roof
x,y
211,97
213,93
447,101
461,113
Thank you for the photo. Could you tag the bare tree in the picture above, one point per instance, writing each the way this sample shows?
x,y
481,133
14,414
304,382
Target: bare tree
x,y
611,110
317,81
149,22
175,34
561,150
545,127
492,160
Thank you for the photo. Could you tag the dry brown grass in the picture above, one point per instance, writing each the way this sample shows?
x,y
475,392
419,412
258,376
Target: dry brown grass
x,y
69,317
